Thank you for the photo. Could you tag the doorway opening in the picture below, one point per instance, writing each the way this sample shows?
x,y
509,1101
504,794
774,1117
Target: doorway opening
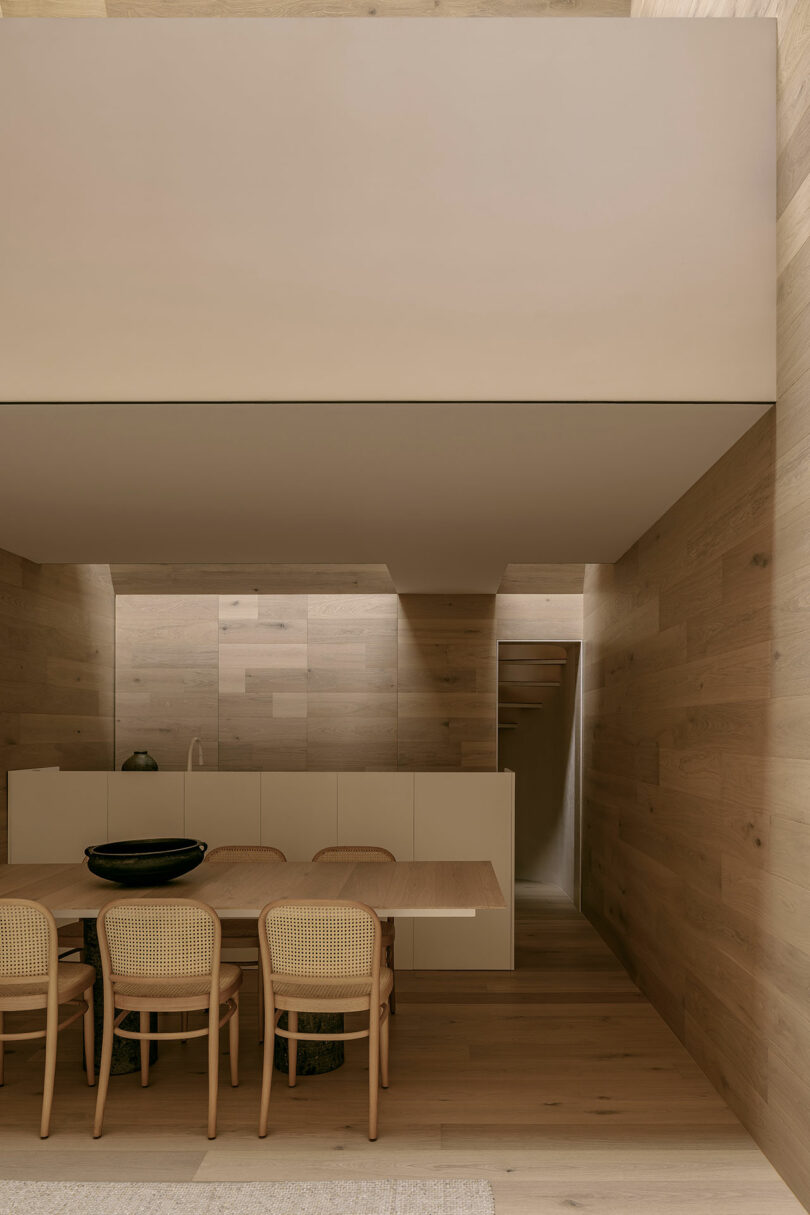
x,y
539,739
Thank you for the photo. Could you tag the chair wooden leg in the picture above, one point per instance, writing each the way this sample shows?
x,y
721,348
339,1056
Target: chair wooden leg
x,y
104,1067
233,1042
143,1026
213,1071
89,1039
267,1068
260,981
51,1040
292,1048
392,999
373,1070
384,1049
2,1053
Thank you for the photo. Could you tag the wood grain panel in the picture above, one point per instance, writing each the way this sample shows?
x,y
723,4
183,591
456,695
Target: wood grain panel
x,y
262,682
166,677
542,579
352,682
351,731
556,617
698,677
56,668
250,579
352,643
324,682
447,682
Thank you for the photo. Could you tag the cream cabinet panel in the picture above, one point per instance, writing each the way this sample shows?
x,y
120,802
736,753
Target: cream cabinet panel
x,y
299,812
466,817
223,807
377,808
141,805
54,816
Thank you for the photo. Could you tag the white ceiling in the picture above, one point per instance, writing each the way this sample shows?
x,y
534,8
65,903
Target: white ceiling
x,y
338,209
446,494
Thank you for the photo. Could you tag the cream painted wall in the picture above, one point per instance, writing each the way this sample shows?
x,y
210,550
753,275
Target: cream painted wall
x,y
278,237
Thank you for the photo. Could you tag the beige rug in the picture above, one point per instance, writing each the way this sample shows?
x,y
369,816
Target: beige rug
x,y
246,1198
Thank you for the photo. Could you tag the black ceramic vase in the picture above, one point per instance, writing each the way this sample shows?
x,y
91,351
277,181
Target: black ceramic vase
x,y
139,761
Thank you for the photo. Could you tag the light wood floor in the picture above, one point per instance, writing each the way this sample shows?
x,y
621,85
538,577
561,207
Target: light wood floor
x,y
558,1082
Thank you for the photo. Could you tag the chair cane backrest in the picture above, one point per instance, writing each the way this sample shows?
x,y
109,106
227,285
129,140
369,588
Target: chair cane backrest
x,y
316,938
146,938
28,940
351,853
245,852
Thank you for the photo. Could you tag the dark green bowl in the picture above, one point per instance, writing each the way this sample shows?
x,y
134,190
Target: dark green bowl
x,y
144,862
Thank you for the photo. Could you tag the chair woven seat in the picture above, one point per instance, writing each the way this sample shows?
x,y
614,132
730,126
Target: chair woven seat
x,y
230,977
332,989
73,978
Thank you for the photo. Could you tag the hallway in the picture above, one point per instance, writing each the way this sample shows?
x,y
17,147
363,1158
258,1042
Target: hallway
x,y
558,1082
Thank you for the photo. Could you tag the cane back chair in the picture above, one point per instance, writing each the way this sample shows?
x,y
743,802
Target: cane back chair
x,y
164,956
245,852
350,854
31,977
323,956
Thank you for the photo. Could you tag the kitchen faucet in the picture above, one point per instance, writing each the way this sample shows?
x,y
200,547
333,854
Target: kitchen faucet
x,y
200,760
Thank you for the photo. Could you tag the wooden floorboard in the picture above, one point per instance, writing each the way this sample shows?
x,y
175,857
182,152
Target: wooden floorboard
x,y
559,1083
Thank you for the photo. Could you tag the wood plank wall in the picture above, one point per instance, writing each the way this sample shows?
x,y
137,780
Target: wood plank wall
x,y
56,668
269,579
697,828
321,682
166,681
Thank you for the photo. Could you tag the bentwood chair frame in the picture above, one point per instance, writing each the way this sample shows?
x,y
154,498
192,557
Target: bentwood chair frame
x,y
241,933
368,852
161,983
30,975
317,970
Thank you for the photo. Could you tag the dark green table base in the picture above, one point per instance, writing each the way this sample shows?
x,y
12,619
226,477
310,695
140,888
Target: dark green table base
x,y
126,1056
313,1057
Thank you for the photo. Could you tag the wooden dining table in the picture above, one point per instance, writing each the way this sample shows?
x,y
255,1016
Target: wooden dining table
x,y
241,889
